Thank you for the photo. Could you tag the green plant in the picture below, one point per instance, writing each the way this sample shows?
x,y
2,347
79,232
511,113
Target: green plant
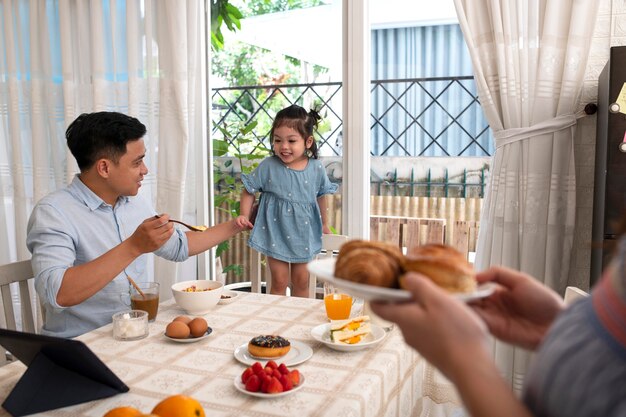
x,y
238,143
222,11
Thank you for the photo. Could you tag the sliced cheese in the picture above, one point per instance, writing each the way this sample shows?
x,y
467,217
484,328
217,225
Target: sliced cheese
x,y
350,331
341,324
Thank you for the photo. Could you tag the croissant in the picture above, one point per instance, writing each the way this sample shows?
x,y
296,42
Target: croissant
x,y
443,264
372,263
383,264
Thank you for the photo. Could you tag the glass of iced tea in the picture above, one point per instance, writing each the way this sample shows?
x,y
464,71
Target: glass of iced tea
x,y
338,304
148,301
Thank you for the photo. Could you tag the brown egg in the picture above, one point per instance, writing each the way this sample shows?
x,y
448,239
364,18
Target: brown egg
x,y
177,330
198,327
184,319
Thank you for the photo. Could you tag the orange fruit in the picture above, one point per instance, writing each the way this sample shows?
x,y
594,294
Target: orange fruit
x,y
179,406
123,412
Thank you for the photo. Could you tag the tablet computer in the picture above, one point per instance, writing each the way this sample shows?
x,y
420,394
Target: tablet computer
x,y
60,372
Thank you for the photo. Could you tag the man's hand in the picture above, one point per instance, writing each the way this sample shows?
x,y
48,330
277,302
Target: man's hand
x,y
151,234
521,309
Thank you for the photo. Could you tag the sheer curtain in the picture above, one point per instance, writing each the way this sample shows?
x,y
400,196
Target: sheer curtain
x,y
529,60
62,58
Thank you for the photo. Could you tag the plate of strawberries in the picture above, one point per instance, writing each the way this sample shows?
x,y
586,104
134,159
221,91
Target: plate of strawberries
x,y
269,381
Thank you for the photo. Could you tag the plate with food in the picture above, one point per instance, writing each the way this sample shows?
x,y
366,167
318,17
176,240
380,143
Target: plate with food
x,y
189,339
372,270
228,297
349,335
185,329
272,387
272,347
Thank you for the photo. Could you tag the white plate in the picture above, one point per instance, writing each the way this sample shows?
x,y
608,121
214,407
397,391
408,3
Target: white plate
x,y
242,387
324,269
190,339
298,353
233,296
321,333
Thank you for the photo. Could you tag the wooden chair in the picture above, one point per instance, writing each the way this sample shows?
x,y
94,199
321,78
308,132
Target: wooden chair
x,y
256,274
330,245
330,248
461,235
20,273
572,294
407,232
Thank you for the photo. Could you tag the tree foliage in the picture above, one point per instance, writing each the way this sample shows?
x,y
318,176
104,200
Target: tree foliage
x,y
240,64
223,12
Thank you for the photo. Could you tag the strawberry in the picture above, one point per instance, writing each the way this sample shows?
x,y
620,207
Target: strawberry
x,y
286,382
246,374
269,371
257,367
274,387
266,380
283,369
253,384
277,374
295,377
271,364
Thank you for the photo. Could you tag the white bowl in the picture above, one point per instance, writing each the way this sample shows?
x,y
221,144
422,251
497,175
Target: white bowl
x,y
197,302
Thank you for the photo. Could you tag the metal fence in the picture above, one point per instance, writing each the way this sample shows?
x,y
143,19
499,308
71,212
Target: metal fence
x,y
455,212
410,117
459,186
425,117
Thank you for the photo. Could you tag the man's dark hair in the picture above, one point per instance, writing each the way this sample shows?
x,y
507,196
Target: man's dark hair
x,y
101,135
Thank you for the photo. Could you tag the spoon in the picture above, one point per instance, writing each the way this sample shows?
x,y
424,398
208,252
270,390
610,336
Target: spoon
x,y
134,284
188,226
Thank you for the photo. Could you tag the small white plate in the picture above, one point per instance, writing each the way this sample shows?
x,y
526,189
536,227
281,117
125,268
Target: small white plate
x,y
232,294
242,387
324,269
190,339
299,352
321,333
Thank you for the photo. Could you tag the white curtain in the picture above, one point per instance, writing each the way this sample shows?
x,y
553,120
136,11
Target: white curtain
x,y
61,58
529,59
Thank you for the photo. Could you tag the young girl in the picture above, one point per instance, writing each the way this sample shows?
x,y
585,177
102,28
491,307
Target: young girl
x,y
292,211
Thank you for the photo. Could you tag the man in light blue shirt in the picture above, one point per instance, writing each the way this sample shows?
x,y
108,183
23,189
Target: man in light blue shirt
x,y
86,239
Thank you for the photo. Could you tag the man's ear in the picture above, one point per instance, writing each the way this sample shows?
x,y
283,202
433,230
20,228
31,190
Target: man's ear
x,y
102,167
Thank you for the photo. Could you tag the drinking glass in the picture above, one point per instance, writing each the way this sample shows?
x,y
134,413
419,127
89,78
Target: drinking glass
x,y
338,304
148,301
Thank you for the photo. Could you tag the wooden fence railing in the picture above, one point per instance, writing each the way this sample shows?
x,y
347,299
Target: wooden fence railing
x,y
461,217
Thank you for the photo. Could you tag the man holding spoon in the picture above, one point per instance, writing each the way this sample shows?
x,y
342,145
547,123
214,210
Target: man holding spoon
x,y
87,238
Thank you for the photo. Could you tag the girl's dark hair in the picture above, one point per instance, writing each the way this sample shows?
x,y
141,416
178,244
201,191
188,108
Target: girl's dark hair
x,y
101,135
302,122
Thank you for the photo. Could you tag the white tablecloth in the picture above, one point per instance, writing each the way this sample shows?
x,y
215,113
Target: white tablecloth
x,y
389,379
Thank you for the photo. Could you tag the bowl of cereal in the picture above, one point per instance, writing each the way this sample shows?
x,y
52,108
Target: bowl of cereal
x,y
197,297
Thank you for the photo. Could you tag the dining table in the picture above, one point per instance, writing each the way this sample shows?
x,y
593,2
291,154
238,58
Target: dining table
x,y
388,378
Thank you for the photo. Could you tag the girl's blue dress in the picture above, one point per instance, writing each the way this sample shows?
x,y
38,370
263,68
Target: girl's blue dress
x,y
288,225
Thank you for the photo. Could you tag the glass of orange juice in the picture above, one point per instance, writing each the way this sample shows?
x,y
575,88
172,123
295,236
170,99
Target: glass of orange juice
x,y
338,304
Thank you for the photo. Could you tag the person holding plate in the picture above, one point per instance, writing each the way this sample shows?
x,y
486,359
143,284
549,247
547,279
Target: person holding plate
x,y
580,365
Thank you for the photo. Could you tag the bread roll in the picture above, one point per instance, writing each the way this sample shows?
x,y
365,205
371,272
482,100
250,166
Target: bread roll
x,y
443,264
372,263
